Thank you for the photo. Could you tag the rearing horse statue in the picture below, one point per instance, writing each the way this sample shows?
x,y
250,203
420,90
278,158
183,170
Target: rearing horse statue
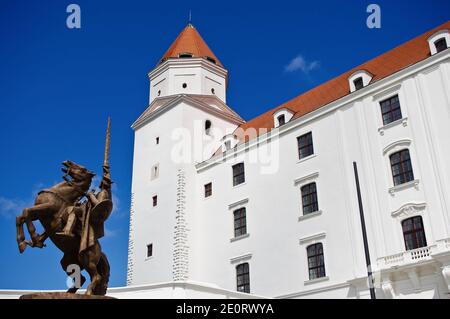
x,y
74,225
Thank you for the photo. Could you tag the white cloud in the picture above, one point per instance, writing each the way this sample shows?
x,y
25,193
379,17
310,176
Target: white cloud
x,y
11,207
299,63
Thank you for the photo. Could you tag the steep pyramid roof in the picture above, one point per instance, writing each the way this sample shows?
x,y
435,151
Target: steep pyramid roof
x,y
190,42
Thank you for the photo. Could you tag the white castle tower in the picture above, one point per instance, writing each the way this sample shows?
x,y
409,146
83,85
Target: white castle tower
x,y
187,106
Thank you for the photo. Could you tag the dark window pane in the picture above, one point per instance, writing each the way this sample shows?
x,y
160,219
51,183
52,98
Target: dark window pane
x,y
390,110
238,174
440,45
316,264
305,145
243,278
281,120
414,233
240,222
155,201
309,198
150,250
359,84
401,167
208,189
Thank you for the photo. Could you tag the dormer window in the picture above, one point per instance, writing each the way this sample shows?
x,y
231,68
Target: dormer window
x,y
185,55
439,41
359,84
359,80
440,45
229,141
282,116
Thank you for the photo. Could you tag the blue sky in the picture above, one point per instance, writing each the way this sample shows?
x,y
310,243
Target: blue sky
x,y
57,87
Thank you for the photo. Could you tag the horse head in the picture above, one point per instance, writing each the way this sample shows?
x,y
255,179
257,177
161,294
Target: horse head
x,y
78,174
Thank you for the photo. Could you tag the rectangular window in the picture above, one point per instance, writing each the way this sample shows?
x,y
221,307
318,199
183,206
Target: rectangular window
x,y
243,278
155,201
238,174
281,120
359,84
305,145
150,250
414,233
157,140
402,171
240,222
390,110
208,189
316,263
309,199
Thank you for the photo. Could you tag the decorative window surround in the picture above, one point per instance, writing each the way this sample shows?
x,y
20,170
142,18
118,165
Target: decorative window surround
x,y
240,258
397,146
312,238
395,189
283,111
306,179
310,215
238,204
317,280
239,237
436,36
403,121
408,210
306,158
366,78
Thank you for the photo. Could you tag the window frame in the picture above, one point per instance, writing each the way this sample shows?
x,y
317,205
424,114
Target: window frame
x,y
415,233
243,277
238,177
240,222
318,269
309,145
392,111
312,195
405,174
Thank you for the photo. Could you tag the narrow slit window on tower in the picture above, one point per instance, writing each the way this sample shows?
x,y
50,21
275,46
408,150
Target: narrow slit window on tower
x,y
157,140
440,45
155,201
184,85
213,91
359,84
208,189
208,127
149,250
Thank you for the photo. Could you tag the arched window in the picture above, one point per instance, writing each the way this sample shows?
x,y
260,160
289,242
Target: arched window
x,y
402,171
207,127
316,262
414,233
359,84
440,45
243,278
281,119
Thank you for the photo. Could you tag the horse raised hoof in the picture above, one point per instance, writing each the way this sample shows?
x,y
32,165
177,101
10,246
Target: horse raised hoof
x,y
22,246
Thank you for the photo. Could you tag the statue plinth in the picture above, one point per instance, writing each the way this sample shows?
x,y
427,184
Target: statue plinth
x,y
62,295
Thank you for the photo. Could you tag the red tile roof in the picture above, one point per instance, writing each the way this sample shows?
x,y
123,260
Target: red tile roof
x,y
190,41
380,67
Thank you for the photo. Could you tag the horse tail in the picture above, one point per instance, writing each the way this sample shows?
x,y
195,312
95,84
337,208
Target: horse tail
x,y
103,270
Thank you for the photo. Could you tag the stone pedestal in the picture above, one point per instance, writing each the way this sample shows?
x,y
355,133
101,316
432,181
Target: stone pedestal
x,y
61,295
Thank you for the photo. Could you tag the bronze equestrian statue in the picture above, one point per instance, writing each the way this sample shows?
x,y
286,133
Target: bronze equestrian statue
x,y
73,219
